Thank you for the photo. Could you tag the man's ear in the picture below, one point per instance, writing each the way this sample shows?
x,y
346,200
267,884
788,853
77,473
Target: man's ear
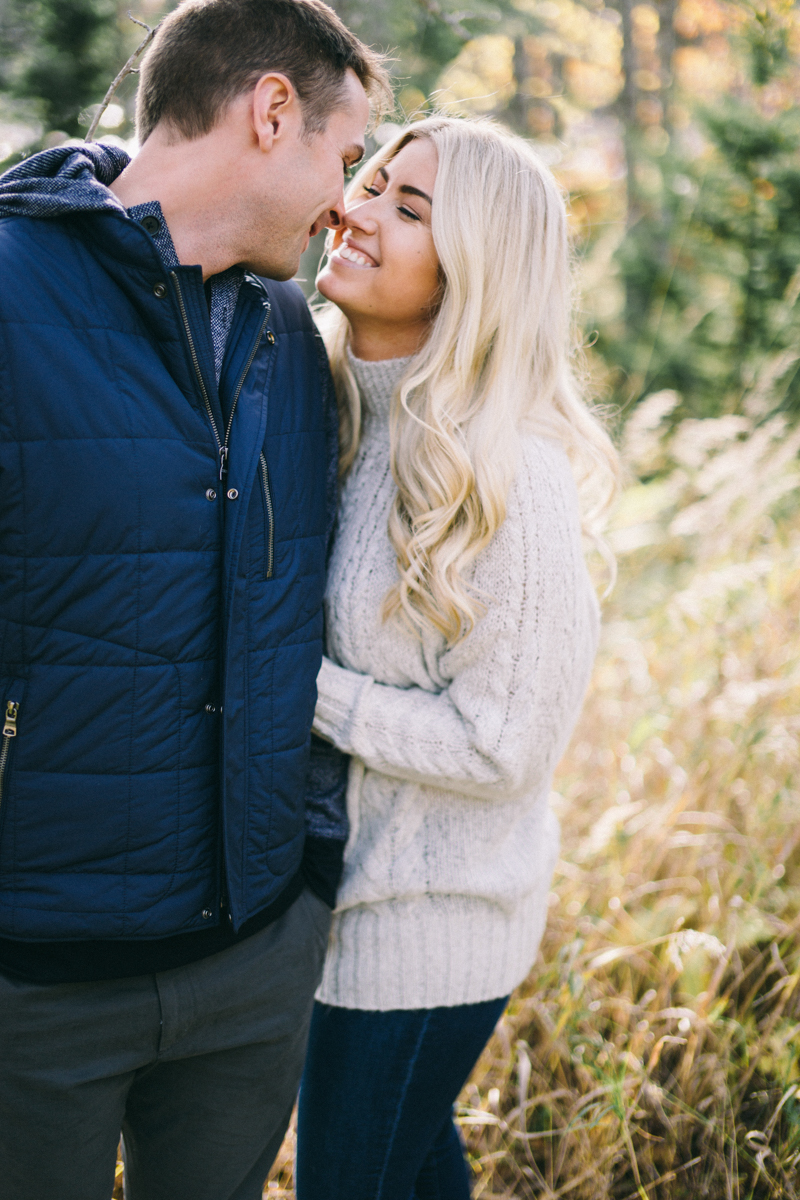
x,y
275,109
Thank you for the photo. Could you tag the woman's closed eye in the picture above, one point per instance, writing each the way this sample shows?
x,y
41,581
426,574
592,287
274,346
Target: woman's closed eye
x,y
371,190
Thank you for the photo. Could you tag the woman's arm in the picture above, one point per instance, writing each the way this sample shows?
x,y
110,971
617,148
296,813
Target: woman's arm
x,y
515,683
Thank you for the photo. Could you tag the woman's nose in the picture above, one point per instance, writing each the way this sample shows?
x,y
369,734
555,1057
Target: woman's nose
x,y
361,218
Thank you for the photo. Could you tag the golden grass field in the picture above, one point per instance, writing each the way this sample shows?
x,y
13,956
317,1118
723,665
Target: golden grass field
x,y
654,1050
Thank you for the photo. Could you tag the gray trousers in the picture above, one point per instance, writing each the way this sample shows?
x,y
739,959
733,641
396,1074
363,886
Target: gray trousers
x,y
199,1067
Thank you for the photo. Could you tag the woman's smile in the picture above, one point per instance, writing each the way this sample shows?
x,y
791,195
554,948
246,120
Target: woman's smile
x,y
352,255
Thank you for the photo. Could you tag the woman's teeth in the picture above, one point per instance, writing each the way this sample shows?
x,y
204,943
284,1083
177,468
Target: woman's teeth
x,y
354,257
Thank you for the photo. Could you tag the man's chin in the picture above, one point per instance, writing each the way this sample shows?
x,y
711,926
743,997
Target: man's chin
x,y
272,270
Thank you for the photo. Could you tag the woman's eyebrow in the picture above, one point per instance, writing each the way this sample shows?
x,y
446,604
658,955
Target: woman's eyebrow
x,y
406,188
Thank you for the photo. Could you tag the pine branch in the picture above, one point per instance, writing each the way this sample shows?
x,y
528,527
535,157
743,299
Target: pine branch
x,y
128,69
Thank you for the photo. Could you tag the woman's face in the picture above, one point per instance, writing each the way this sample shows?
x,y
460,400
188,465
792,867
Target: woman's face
x,y
383,270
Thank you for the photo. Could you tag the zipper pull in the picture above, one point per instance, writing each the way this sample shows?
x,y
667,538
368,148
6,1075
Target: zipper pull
x,y
223,455
10,723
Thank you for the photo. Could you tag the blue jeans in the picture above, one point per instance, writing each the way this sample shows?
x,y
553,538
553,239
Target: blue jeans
x,y
375,1116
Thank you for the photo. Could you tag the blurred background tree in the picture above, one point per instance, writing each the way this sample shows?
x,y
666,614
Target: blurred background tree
x,y
57,58
708,263
59,52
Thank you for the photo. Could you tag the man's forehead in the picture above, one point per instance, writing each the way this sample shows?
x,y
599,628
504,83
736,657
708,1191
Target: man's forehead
x,y
350,117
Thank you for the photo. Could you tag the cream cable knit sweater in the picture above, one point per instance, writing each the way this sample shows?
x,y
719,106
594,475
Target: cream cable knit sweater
x,y
452,841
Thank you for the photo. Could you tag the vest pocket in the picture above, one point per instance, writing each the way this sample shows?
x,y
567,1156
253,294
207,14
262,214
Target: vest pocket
x,y
269,518
12,704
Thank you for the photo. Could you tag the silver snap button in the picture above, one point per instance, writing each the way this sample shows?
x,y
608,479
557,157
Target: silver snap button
x,y
210,494
207,914
160,291
232,493
211,708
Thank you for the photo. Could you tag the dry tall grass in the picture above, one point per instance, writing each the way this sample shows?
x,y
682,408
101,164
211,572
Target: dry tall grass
x,y
653,1051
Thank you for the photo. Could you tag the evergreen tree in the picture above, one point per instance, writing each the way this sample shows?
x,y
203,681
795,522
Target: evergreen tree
x,y
63,53
711,262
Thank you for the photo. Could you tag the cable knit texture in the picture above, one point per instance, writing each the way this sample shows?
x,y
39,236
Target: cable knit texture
x,y
452,840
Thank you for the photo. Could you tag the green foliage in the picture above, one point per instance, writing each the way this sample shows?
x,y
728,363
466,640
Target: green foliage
x,y
709,267
767,42
62,52
710,261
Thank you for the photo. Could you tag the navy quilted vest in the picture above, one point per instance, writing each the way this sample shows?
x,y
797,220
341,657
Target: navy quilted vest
x,y
160,629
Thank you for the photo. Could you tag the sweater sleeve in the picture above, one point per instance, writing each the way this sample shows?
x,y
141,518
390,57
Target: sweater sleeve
x,y
514,685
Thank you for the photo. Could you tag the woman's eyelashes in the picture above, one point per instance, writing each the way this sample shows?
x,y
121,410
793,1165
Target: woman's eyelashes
x,y
372,190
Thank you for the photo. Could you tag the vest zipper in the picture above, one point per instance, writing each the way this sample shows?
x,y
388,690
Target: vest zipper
x,y
270,557
222,444
248,365
221,449
9,732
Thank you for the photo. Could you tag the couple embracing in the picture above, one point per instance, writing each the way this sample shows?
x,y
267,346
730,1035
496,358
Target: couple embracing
x,y
294,628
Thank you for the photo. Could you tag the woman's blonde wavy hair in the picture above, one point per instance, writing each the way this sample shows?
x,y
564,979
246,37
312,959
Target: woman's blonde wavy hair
x,y
497,361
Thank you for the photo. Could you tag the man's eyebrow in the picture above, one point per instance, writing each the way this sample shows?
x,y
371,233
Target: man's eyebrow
x,y
406,188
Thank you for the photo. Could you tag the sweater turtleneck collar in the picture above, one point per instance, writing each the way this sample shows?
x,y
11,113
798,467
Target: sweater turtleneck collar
x,y
377,381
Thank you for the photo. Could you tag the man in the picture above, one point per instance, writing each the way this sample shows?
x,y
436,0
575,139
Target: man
x,y
167,449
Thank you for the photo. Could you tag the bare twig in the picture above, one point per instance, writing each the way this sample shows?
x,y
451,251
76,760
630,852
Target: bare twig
x,y
128,69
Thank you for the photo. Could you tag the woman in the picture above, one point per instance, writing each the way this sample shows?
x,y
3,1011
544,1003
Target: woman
x,y
461,630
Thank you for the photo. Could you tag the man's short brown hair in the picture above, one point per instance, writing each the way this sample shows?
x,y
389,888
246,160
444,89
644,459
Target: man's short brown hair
x,y
208,52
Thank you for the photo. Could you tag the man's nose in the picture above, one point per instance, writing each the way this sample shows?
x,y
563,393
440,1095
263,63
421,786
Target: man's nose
x,y
334,218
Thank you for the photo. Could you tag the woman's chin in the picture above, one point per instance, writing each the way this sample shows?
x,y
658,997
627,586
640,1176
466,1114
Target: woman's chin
x,y
328,285
322,281
341,292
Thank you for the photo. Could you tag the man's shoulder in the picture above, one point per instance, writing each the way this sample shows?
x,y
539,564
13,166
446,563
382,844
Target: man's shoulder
x,y
19,228
28,243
